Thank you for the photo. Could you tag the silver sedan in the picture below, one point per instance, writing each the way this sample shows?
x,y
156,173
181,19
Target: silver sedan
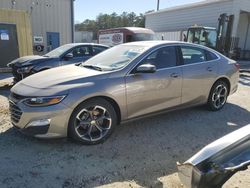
x,y
87,101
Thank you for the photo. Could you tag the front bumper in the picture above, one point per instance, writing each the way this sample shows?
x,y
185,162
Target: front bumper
x,y
35,130
18,76
22,117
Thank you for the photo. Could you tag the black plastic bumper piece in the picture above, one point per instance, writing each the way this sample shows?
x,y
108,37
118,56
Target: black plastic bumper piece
x,y
35,130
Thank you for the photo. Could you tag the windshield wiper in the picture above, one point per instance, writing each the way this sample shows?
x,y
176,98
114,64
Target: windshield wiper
x,y
93,67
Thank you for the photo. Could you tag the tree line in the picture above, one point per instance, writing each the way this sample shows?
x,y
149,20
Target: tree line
x,y
107,21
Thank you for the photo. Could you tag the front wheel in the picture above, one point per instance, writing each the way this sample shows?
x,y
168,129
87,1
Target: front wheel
x,y
92,122
218,96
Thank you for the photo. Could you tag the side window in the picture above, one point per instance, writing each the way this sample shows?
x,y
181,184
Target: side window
x,y
98,49
162,58
211,56
192,55
81,51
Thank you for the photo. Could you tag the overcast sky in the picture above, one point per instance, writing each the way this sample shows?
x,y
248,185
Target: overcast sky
x,y
89,9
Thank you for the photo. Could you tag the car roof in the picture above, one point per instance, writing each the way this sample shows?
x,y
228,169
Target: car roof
x,y
91,44
155,43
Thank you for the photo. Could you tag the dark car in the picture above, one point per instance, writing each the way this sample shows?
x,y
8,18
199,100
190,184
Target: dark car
x,y
64,55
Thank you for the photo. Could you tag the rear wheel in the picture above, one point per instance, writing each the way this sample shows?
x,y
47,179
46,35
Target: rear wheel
x,y
92,122
218,96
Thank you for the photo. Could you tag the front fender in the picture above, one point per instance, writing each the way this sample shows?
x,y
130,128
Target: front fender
x,y
111,88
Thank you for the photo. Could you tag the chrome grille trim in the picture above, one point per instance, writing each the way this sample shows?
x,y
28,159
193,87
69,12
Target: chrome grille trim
x,y
15,112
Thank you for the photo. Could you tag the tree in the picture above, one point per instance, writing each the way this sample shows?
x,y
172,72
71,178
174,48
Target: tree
x,y
107,21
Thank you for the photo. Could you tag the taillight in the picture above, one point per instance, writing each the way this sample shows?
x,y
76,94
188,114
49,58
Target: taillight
x,y
237,65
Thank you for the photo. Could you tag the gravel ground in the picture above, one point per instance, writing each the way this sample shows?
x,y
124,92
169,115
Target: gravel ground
x,y
139,154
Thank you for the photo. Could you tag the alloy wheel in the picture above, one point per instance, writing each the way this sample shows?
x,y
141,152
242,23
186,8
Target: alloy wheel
x,y
93,123
219,96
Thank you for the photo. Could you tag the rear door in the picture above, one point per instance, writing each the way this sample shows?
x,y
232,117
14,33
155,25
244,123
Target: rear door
x,y
151,92
199,74
8,44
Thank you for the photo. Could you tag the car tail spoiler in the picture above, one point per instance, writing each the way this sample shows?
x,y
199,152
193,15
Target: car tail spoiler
x,y
218,161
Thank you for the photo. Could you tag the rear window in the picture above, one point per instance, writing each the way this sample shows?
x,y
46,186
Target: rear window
x,y
192,55
211,56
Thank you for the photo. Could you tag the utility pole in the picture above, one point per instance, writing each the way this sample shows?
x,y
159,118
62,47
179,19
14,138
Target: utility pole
x,y
158,4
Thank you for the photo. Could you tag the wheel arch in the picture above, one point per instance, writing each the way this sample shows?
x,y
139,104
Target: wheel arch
x,y
110,100
226,80
71,130
115,105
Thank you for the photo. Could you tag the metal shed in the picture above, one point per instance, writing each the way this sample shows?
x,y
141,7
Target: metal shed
x,y
172,22
52,21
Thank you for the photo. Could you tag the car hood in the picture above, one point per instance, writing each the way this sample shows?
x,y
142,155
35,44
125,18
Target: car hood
x,y
28,60
57,79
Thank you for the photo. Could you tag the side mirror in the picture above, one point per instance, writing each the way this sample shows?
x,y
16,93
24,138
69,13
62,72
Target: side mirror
x,y
68,56
146,68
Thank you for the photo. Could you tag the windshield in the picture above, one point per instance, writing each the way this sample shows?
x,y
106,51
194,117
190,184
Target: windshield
x,y
206,37
58,51
115,58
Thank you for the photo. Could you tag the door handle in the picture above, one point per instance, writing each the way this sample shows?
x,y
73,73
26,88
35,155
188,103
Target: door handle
x,y
209,69
174,75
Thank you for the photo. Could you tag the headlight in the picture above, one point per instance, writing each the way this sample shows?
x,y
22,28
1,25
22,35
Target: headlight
x,y
24,69
43,101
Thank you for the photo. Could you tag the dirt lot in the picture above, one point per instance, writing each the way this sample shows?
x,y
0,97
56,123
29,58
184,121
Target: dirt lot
x,y
138,154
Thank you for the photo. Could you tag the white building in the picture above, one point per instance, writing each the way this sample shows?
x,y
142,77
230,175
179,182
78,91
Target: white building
x,y
172,22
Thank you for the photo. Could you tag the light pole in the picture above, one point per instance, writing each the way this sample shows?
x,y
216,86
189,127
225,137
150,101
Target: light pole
x,y
158,4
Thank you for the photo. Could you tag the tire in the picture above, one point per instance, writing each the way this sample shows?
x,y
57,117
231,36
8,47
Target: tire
x,y
92,122
218,96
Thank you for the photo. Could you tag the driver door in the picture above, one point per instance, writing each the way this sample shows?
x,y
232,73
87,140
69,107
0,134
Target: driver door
x,y
151,92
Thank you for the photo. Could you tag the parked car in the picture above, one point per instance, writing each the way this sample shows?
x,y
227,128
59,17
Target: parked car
x,y
217,162
63,55
128,81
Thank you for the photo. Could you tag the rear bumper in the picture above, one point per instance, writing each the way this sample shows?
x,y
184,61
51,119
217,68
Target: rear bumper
x,y
234,89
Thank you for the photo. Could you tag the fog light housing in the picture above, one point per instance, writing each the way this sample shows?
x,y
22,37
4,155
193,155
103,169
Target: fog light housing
x,y
40,122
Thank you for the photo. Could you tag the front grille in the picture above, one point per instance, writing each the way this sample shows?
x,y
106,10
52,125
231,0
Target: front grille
x,y
15,112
